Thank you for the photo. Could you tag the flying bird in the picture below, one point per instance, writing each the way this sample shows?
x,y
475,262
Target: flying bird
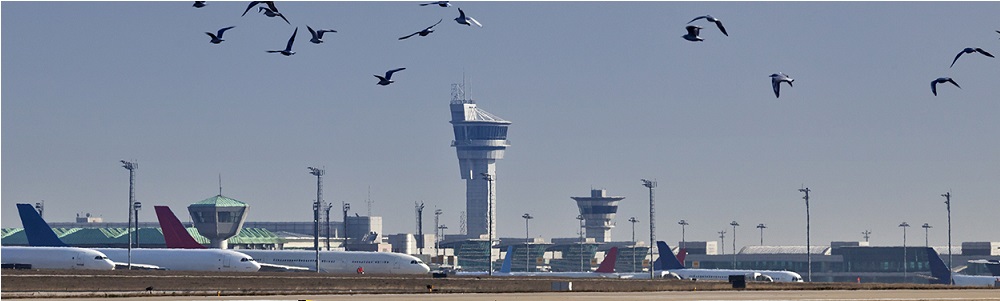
x,y
777,79
465,20
270,5
272,13
217,37
714,20
288,48
385,81
942,80
438,3
199,4
317,36
423,33
692,34
969,50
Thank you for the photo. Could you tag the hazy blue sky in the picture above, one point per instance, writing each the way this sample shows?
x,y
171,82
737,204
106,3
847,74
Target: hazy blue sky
x,y
601,94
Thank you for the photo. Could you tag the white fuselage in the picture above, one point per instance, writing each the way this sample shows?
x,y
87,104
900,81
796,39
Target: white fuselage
x,y
968,280
69,258
187,259
723,275
343,262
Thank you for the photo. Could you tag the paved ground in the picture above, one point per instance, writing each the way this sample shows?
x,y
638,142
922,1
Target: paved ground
x,y
169,285
815,295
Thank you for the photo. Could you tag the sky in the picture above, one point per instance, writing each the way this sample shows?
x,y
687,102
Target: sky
x,y
601,95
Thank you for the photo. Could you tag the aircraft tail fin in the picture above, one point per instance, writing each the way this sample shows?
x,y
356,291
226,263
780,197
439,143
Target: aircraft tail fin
x,y
38,232
608,265
939,270
505,267
668,261
681,254
174,233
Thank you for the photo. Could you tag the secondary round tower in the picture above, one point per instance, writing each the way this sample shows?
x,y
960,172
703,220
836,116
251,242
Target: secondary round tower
x,y
598,210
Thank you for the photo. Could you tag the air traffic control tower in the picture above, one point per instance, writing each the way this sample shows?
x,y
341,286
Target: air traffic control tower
x,y
598,210
480,140
218,218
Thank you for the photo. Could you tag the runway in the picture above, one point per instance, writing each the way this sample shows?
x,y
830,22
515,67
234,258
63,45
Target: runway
x,y
813,295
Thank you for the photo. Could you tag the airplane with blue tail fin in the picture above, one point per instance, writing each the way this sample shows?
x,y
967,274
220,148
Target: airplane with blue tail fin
x,y
39,234
668,262
941,274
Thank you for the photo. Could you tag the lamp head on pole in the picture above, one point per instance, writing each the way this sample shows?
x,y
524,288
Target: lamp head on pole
x,y
761,226
633,220
648,183
904,225
926,226
683,223
316,171
129,165
734,224
527,216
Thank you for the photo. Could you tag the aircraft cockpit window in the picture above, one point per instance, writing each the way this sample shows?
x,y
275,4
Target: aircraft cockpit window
x,y
247,259
99,257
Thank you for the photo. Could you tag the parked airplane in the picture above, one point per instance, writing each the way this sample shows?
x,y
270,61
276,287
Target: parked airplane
x,y
941,274
669,263
605,270
992,265
68,258
336,262
40,234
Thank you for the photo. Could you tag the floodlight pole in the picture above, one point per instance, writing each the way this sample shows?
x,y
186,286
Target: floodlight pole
x,y
633,220
905,225
926,227
327,208
652,224
722,239
947,197
683,224
761,227
527,250
734,224
437,230
489,227
131,166
808,243
136,206
867,234
580,217
317,206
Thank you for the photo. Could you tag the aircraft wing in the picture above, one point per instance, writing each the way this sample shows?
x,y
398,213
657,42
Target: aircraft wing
x,y
137,266
270,267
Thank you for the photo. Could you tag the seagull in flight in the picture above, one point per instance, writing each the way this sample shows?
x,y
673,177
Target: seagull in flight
x,y
423,33
288,48
942,80
272,13
438,3
777,79
465,20
692,34
217,37
199,4
969,50
317,36
270,5
385,81
714,20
